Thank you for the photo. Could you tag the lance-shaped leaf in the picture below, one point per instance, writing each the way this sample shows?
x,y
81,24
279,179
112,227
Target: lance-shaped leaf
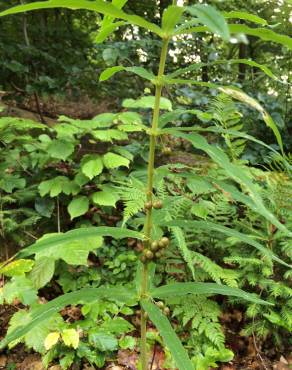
x,y
236,94
99,6
235,172
207,225
245,16
219,130
78,234
169,336
197,66
263,33
170,18
181,289
107,25
105,31
140,71
44,312
211,18
241,96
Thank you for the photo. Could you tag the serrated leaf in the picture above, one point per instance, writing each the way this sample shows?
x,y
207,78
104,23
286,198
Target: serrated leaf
x,y
74,253
169,336
181,289
211,18
15,268
112,160
60,149
109,135
22,288
105,197
102,341
117,325
70,338
42,272
58,185
45,312
34,338
127,342
147,102
91,165
51,340
78,206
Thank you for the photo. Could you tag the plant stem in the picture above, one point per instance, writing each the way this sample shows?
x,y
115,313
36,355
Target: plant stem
x,y
150,175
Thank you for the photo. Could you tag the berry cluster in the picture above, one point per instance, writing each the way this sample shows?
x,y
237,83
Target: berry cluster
x,y
156,249
157,204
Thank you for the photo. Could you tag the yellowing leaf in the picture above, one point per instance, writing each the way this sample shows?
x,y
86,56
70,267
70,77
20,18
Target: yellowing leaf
x,y
70,338
51,340
18,267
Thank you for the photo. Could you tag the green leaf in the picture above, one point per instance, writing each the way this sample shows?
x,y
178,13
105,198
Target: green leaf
x,y
98,6
107,26
170,18
58,185
211,18
127,342
10,182
197,66
78,206
60,149
263,33
74,252
147,102
234,171
112,160
111,71
78,235
181,289
15,268
245,16
20,287
207,225
105,197
105,31
35,338
42,272
241,96
91,165
44,312
70,338
109,135
117,325
169,336
102,341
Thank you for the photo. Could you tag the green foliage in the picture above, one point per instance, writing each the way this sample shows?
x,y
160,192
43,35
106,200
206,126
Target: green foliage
x,y
224,225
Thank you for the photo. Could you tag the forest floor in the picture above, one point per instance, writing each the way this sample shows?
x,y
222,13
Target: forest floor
x,y
249,352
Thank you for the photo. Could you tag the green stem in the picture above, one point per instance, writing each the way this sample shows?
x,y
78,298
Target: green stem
x,y
150,175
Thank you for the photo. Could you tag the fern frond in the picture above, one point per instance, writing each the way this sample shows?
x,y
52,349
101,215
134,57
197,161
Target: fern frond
x,y
133,195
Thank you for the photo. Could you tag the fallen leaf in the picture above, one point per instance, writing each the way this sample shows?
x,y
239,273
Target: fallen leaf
x,y
3,361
